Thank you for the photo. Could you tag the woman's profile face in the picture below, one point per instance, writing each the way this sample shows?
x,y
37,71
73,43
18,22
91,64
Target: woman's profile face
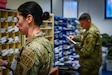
x,y
22,24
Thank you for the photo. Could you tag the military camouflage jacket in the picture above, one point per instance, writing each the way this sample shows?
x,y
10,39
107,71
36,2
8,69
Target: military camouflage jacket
x,y
90,47
35,57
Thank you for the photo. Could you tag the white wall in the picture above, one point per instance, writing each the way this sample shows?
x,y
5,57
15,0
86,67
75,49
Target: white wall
x,y
96,9
71,6
57,7
14,4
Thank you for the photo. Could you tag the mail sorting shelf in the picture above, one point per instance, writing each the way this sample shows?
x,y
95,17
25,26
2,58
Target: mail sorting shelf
x,y
64,53
10,37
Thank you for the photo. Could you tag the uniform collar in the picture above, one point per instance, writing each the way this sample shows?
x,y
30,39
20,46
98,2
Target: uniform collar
x,y
40,34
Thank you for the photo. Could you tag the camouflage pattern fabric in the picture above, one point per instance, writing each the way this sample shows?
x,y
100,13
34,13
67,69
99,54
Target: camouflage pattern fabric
x,y
90,51
36,57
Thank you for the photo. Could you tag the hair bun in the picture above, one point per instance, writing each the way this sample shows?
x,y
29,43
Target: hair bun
x,y
45,16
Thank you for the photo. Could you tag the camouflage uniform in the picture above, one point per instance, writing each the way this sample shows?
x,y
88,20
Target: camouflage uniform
x,y
36,57
90,51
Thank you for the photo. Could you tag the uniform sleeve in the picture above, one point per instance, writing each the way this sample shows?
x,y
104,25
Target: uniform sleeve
x,y
78,38
42,51
88,46
37,55
35,68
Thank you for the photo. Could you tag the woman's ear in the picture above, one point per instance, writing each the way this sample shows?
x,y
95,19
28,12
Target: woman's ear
x,y
29,18
89,21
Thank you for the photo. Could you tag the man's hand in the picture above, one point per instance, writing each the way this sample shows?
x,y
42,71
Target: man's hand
x,y
71,37
2,62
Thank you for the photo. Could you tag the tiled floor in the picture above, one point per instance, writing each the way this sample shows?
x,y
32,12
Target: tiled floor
x,y
103,73
106,72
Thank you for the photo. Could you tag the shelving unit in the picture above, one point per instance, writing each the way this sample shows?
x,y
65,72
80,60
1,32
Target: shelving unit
x,y
47,28
10,37
64,52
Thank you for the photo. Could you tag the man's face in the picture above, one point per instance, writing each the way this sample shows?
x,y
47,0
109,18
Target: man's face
x,y
22,23
85,24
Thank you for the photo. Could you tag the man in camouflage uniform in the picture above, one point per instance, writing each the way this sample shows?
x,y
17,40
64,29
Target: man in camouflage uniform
x,y
90,47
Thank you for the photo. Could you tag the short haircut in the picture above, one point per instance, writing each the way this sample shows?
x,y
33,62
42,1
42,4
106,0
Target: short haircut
x,y
84,16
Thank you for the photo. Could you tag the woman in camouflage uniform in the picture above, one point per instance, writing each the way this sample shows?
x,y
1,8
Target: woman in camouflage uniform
x,y
36,55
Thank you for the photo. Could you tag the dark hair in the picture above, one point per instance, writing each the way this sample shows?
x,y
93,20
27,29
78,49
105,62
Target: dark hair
x,y
35,10
84,16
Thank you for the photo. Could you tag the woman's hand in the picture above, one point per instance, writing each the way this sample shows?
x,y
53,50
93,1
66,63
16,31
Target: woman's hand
x,y
2,62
